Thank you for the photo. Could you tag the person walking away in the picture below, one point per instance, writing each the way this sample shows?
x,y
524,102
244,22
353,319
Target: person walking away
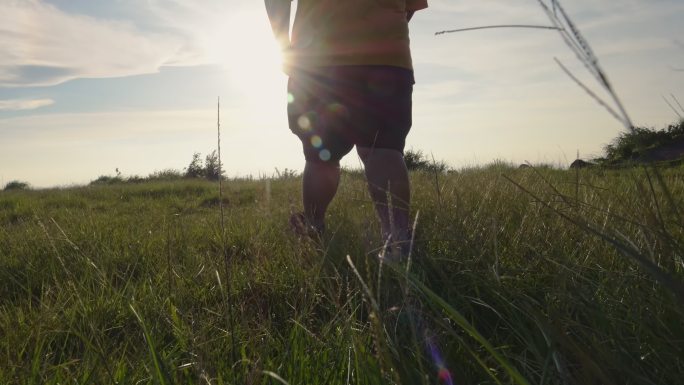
x,y
350,84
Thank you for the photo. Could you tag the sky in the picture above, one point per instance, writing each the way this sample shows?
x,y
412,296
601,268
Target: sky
x,y
91,86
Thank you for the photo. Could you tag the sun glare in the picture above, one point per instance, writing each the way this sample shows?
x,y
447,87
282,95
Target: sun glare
x,y
245,47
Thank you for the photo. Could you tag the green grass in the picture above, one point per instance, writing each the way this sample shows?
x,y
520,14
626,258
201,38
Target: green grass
x,y
508,284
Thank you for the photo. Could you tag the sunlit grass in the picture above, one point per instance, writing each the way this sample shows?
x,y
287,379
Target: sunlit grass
x,y
125,283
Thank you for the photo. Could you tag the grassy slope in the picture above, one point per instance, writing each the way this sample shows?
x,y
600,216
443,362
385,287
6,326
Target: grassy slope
x,y
128,282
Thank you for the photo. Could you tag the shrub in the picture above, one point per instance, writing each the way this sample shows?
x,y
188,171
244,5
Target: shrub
x,y
417,161
210,170
106,179
285,173
135,179
167,174
16,185
633,145
212,167
195,168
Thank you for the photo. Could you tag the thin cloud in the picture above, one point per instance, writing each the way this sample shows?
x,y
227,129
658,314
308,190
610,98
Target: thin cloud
x,y
22,105
44,46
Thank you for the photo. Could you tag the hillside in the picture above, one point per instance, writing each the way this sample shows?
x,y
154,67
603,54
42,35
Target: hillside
x,y
515,278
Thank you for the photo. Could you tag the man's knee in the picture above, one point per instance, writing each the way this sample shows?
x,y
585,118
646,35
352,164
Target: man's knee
x,y
366,153
329,165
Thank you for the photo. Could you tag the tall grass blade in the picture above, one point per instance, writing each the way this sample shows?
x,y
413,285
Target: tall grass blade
x,y
677,101
526,26
369,294
579,45
453,314
591,93
275,377
159,370
226,258
666,279
673,107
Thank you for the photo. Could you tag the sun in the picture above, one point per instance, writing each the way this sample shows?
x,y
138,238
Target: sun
x,y
245,47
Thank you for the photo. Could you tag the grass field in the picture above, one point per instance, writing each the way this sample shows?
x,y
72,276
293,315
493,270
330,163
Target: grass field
x,y
517,276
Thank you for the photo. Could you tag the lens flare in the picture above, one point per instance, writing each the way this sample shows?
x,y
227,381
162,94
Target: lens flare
x,y
443,372
316,141
324,155
444,376
304,123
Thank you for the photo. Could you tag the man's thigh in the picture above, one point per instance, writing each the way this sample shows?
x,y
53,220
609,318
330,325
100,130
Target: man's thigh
x,y
332,109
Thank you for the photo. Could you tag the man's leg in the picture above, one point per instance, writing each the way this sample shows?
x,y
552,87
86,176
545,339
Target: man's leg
x,y
319,185
387,175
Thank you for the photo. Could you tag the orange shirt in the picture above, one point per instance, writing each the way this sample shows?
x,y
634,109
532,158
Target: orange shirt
x,y
352,32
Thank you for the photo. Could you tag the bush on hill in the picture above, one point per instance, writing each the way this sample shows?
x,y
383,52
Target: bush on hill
x,y
135,179
416,160
167,174
211,169
106,180
638,144
16,185
195,168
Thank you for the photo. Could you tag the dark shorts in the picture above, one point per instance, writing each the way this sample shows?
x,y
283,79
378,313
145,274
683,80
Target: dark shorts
x,y
332,109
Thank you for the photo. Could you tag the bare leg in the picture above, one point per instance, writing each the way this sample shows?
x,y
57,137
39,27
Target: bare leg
x,y
319,185
387,175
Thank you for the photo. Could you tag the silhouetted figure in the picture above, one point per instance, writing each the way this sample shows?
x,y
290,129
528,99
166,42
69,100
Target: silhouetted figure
x,y
351,84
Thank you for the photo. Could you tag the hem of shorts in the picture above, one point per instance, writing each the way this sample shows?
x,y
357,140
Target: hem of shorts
x,y
354,61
